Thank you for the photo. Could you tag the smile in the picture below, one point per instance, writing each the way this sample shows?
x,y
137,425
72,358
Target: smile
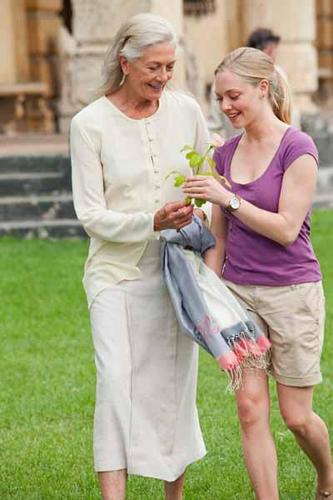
x,y
155,86
233,115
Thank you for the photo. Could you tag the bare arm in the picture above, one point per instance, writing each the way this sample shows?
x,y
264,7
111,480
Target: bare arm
x,y
214,257
297,189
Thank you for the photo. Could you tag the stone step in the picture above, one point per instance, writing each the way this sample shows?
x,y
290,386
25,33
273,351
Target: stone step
x,y
36,200
12,164
324,145
34,144
47,207
323,200
18,183
325,179
69,228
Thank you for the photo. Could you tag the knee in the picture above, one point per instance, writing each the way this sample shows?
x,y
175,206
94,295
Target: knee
x,y
296,421
250,411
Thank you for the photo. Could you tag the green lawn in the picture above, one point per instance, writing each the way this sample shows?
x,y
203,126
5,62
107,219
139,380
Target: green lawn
x,y
47,388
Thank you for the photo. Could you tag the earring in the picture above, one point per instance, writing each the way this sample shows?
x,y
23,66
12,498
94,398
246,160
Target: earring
x,y
122,80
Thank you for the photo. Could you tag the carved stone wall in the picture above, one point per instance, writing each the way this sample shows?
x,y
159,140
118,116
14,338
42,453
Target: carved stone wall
x,y
95,22
68,63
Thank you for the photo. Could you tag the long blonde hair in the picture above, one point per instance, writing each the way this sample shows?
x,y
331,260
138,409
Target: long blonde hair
x,y
252,66
133,37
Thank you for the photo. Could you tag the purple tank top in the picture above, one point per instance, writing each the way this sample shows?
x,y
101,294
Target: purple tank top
x,y
252,259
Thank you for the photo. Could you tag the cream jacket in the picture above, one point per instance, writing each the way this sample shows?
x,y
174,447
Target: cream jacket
x,y
119,169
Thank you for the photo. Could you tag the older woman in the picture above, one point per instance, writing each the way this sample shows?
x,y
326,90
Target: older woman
x,y
123,145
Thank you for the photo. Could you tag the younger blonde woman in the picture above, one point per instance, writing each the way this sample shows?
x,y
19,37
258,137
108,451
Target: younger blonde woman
x,y
264,254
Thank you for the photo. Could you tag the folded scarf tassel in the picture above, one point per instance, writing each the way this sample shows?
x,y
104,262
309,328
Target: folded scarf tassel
x,y
244,353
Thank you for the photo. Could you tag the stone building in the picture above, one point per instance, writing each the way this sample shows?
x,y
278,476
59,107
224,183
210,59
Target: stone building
x,y
54,50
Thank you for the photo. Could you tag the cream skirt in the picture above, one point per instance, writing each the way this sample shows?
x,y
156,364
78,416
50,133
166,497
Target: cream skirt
x,y
146,419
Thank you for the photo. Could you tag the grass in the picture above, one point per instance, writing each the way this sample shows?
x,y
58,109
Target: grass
x,y
47,388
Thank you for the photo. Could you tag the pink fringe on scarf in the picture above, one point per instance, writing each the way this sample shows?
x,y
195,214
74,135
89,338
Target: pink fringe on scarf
x,y
253,353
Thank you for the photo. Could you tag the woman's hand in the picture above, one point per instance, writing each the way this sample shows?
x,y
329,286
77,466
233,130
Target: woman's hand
x,y
207,188
173,215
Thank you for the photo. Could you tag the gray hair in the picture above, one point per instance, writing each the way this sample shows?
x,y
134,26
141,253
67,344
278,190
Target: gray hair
x,y
133,37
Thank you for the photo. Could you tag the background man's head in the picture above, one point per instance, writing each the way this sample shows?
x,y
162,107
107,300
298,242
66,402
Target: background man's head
x,y
264,39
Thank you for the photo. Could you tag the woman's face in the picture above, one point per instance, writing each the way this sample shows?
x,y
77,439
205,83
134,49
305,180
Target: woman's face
x,y
148,75
238,100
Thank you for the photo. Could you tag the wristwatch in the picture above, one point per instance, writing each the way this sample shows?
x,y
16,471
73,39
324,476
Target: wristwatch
x,y
234,203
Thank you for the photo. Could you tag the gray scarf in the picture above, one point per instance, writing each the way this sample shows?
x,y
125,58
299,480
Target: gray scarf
x,y
205,308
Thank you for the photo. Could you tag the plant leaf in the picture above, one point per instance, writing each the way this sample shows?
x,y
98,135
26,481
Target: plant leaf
x,y
190,154
199,202
201,162
195,160
179,180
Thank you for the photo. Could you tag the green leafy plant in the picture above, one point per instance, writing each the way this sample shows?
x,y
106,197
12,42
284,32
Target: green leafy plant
x,y
200,165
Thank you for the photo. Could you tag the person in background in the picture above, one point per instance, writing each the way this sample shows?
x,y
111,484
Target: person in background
x,y
123,145
264,39
265,256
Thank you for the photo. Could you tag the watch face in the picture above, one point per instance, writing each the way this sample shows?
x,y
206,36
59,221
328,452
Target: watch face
x,y
234,203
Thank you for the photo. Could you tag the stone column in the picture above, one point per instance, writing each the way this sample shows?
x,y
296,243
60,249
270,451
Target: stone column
x,y
14,66
82,54
325,51
295,22
43,23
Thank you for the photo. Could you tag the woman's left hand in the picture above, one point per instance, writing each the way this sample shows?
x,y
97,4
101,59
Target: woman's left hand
x,y
207,188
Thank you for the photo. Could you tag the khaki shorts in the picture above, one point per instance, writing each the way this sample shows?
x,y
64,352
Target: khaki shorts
x,y
293,319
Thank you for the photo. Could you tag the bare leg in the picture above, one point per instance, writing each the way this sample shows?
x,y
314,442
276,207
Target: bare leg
x,y
113,484
259,450
309,430
174,490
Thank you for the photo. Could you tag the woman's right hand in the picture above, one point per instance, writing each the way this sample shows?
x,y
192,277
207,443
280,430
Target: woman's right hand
x,y
174,215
